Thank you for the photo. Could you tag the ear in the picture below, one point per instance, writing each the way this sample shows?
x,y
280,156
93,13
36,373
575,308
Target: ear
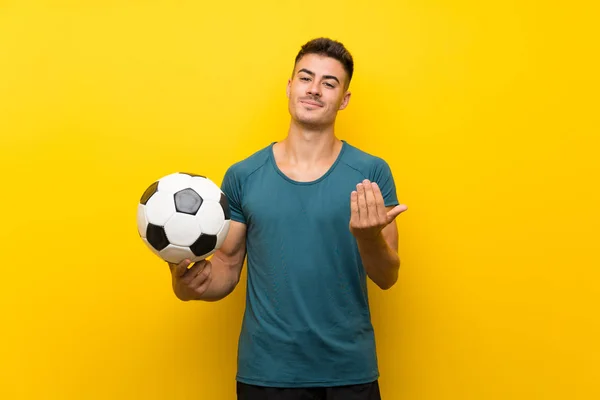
x,y
288,88
345,100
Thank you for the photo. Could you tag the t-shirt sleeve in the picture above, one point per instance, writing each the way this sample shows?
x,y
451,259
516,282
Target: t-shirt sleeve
x,y
382,175
232,188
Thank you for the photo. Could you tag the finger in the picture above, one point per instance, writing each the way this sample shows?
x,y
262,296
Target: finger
x,y
362,203
354,217
204,285
394,212
371,202
179,269
381,213
201,276
191,273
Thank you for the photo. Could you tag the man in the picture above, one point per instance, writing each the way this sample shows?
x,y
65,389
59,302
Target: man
x,y
315,216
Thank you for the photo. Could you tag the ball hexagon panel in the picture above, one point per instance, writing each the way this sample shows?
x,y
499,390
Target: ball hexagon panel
x,y
205,244
225,206
206,188
160,207
175,254
142,222
174,182
203,256
210,217
187,201
157,237
182,229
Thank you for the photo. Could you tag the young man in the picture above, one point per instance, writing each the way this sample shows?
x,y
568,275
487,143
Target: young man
x,y
315,216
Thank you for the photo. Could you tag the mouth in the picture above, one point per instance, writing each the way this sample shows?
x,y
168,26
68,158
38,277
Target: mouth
x,y
311,103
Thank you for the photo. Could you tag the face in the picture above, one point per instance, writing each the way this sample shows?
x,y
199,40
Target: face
x,y
317,90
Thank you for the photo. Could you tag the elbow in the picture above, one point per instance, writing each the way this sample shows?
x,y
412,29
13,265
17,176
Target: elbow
x,y
388,284
234,281
391,278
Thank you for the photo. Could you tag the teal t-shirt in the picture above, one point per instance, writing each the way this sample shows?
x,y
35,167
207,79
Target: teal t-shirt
x,y
307,320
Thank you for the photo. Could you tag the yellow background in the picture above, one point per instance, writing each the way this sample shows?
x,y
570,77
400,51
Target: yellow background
x,y
486,111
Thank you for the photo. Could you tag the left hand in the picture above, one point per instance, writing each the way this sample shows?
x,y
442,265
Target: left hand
x,y
368,212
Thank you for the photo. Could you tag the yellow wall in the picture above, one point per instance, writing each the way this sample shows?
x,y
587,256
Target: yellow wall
x,y
487,113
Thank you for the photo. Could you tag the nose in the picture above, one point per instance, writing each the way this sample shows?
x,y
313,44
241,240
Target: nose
x,y
314,89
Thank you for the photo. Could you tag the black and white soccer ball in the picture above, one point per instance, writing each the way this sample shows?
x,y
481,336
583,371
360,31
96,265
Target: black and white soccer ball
x,y
183,215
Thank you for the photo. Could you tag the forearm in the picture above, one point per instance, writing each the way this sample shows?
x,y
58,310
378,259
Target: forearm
x,y
380,261
223,279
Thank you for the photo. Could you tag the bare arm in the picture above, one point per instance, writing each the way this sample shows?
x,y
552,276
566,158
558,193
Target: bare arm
x,y
380,256
376,233
214,279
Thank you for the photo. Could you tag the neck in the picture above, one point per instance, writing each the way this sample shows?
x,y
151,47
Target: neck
x,y
307,145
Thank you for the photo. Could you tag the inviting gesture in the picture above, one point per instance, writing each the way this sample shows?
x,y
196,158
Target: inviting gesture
x,y
368,212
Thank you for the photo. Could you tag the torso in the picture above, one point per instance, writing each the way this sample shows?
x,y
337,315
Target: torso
x,y
307,315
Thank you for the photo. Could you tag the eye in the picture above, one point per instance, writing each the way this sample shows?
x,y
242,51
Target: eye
x,y
304,78
329,85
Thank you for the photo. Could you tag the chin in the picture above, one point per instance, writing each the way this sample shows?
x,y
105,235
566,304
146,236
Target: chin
x,y
309,117
313,123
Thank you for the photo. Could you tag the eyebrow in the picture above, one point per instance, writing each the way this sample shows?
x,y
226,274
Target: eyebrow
x,y
324,76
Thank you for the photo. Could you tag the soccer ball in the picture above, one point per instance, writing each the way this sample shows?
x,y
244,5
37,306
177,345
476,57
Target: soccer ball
x,y
183,215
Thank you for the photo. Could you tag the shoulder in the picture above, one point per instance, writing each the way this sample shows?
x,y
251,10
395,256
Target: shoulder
x,y
373,168
242,169
366,163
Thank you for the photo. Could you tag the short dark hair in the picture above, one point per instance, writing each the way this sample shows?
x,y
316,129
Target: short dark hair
x,y
330,48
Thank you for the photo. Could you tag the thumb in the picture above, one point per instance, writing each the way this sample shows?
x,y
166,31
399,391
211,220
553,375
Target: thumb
x,y
394,212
